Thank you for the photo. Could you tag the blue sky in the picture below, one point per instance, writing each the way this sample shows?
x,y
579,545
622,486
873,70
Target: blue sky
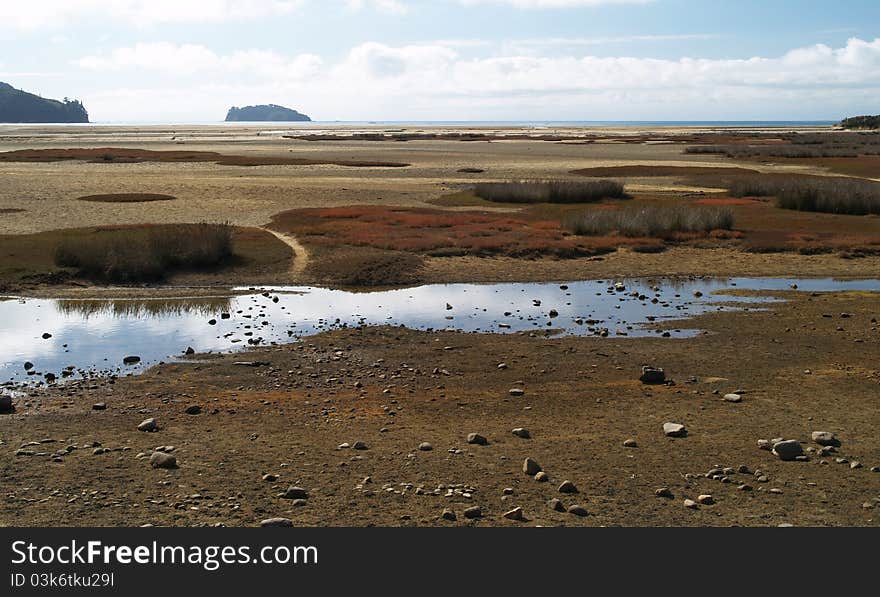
x,y
179,60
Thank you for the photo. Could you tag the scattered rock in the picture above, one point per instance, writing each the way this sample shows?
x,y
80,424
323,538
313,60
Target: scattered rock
x,y
556,504
630,443
163,460
542,477
531,467
516,391
578,510
276,522
515,514
788,449
473,512
362,446
664,492
99,406
825,438
270,478
568,487
732,398
476,438
706,499
5,403
148,425
522,432
674,430
295,493
691,504
193,409
131,360
425,447
448,515
652,375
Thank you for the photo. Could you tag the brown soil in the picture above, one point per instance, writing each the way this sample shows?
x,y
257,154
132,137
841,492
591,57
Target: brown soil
x,y
129,156
802,372
127,198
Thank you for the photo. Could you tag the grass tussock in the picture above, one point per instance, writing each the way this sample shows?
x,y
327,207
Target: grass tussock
x,y
837,196
549,191
130,255
652,221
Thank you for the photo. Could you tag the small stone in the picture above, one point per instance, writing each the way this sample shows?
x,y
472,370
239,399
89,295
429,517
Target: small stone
x,y
652,375
706,499
674,430
148,425
531,467
556,504
825,438
691,504
765,444
664,492
163,460
276,522
477,439
745,487
567,487
516,391
855,464
732,398
193,409
99,406
522,432
270,478
788,449
360,446
131,360
578,510
630,443
473,512
515,514
295,493
507,491
448,515
425,447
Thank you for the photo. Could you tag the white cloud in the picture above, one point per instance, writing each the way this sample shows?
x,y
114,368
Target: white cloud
x,y
434,82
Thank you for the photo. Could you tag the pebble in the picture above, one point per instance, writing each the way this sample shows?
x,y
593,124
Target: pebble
x,y
578,510
148,425
706,499
691,504
477,439
359,445
522,432
531,467
193,409
515,514
567,487
732,398
542,477
664,492
99,406
163,460
855,464
674,430
630,443
516,391
270,478
131,360
788,449
425,447
276,522
5,403
448,515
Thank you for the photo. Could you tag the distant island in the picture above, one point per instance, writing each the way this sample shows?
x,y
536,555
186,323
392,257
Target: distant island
x,y
861,122
17,106
268,113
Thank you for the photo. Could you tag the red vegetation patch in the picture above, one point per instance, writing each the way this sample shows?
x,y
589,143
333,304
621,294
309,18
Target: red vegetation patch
x,y
127,198
439,233
111,155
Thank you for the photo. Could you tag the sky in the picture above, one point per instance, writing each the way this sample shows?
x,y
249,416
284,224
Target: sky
x,y
404,60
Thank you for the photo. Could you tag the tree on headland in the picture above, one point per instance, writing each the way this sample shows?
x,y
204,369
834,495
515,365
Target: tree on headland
x,y
861,122
20,106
